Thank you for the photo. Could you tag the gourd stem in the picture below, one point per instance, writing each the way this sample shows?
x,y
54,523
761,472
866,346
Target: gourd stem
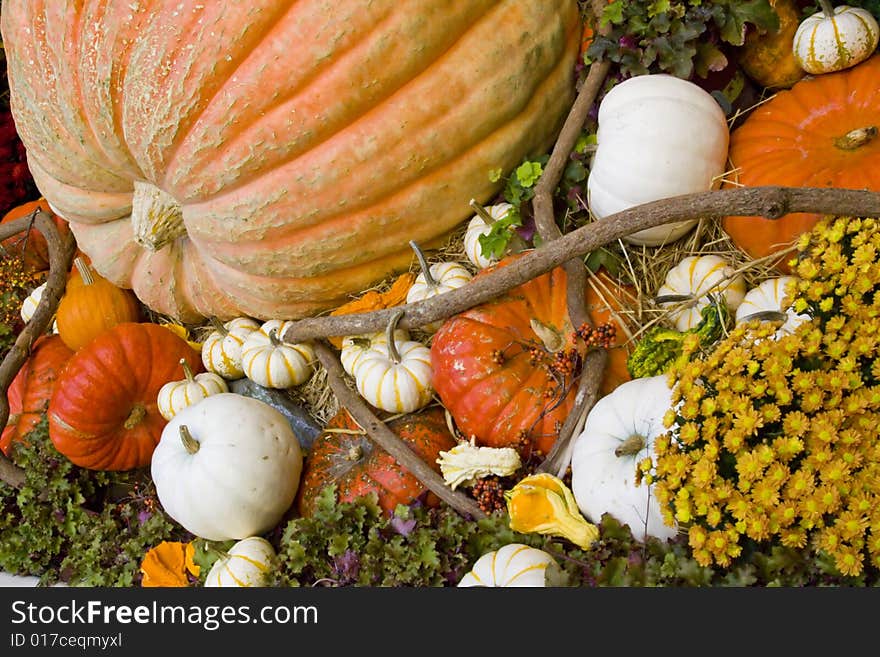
x,y
83,270
355,453
827,9
426,270
856,138
218,326
191,444
766,316
487,218
673,298
187,371
273,338
631,446
515,244
138,412
393,353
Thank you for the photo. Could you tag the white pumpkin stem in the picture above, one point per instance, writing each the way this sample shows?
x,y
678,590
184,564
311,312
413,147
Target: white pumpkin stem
x,y
631,446
190,444
218,326
393,353
273,338
827,9
187,371
487,218
766,316
856,138
155,216
673,298
83,270
423,263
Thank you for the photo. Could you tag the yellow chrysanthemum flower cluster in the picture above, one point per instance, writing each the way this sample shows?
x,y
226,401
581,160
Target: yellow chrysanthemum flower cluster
x,y
776,439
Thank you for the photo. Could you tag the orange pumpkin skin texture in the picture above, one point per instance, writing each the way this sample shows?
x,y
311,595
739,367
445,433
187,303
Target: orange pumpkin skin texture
x,y
358,467
291,151
31,389
103,413
798,139
499,399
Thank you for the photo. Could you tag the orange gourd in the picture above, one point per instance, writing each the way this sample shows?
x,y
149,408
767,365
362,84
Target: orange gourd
x,y
823,132
91,304
270,159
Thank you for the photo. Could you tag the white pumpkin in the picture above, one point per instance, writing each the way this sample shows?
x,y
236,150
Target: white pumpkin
x,y
267,360
478,227
687,287
769,300
659,136
246,564
438,278
618,433
221,350
30,303
227,467
835,38
514,565
174,396
355,346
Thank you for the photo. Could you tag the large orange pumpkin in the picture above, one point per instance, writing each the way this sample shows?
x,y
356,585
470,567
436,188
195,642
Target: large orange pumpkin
x,y
823,132
269,158
485,372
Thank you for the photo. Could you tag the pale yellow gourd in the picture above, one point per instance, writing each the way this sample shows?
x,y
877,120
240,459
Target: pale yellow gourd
x,y
174,396
835,38
221,350
689,284
435,279
248,563
272,363
514,565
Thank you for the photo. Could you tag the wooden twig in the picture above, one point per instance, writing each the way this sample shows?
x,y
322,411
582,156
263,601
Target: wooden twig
x,y
768,202
61,250
379,432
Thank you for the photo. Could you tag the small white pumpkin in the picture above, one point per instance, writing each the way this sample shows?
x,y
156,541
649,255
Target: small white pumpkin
x,y
267,360
435,279
174,396
227,467
514,565
659,136
688,285
476,228
396,376
770,300
619,432
355,346
30,303
221,350
835,38
246,564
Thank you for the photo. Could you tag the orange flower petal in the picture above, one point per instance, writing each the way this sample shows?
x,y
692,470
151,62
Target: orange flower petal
x,y
165,565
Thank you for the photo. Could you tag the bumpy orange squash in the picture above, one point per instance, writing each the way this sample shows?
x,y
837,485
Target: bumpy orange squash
x,y
269,158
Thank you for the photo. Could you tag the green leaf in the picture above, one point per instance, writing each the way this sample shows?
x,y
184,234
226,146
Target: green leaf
x,y
757,12
528,173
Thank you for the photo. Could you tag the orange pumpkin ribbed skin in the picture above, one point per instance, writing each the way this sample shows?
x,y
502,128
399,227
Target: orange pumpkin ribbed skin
x,y
305,142
103,413
495,399
358,467
32,387
790,141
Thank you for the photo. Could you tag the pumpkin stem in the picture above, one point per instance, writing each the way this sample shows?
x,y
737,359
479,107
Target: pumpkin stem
x,y
487,218
273,338
766,316
138,412
426,270
827,9
550,337
856,138
673,298
218,326
515,244
631,446
155,216
83,270
187,371
355,453
191,444
393,353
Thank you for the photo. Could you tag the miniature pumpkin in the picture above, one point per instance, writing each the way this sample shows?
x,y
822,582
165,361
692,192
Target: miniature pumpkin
x,y
435,279
476,228
30,304
246,564
177,395
395,376
771,299
820,133
767,57
103,414
619,433
355,346
29,393
299,201
344,456
32,242
690,283
227,467
91,304
835,38
267,360
491,365
647,149
514,565
221,349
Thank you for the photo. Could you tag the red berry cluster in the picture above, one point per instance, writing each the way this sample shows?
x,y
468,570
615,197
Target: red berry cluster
x,y
489,495
603,335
